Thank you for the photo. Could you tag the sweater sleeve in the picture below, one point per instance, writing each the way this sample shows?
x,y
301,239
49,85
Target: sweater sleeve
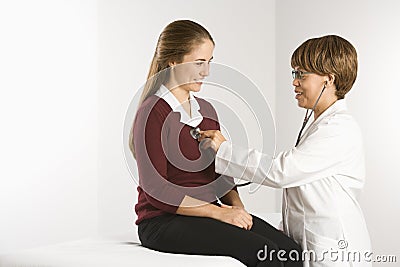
x,y
152,161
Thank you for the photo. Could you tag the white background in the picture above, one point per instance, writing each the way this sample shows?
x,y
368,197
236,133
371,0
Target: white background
x,y
68,70
49,122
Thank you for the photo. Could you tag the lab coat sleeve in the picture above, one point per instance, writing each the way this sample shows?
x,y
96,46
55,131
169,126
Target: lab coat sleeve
x,y
224,183
318,156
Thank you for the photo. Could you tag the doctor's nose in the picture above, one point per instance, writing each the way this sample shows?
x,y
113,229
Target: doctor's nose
x,y
296,82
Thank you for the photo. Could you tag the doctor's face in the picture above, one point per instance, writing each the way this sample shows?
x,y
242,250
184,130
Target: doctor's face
x,y
188,74
308,87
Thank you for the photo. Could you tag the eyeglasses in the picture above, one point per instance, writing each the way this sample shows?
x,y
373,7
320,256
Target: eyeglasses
x,y
298,74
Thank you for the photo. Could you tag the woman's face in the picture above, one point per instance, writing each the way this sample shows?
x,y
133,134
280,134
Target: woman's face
x,y
188,74
307,88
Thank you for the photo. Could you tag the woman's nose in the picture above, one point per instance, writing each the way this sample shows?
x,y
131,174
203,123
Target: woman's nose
x,y
296,82
205,71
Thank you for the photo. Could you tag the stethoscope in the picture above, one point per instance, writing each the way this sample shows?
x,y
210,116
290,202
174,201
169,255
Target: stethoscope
x,y
195,131
307,117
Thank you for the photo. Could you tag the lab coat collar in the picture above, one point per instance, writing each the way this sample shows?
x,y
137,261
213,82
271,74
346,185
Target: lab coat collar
x,y
171,100
339,105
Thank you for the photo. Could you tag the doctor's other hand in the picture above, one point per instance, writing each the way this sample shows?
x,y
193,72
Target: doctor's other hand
x,y
234,215
212,138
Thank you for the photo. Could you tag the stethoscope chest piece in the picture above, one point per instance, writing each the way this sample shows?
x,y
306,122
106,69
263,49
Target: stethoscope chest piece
x,y
195,133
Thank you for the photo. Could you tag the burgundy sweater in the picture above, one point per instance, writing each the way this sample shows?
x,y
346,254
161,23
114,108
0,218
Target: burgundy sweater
x,y
170,162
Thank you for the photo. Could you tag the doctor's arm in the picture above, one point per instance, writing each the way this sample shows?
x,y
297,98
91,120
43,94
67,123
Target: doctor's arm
x,y
317,157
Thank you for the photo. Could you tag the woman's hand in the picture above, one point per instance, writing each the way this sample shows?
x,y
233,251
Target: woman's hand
x,y
234,215
211,139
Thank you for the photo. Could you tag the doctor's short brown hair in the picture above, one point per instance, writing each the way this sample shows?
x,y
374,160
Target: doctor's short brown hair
x,y
330,54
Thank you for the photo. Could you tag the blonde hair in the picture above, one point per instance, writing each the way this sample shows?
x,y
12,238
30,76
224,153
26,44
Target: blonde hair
x,y
330,54
176,40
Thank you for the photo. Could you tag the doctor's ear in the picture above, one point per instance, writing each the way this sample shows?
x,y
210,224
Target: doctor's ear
x,y
330,80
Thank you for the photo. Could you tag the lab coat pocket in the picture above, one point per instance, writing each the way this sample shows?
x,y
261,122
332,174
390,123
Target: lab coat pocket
x,y
322,251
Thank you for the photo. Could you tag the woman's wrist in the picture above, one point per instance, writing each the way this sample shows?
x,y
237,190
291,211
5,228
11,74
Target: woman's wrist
x,y
215,211
232,199
238,204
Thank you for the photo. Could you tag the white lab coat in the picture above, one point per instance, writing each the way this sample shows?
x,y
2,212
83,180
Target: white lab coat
x,y
321,178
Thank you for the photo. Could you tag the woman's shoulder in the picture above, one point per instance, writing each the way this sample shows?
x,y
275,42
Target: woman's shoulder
x,y
153,108
205,106
154,104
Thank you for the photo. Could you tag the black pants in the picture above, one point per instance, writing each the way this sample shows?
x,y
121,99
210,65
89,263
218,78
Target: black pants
x,y
205,236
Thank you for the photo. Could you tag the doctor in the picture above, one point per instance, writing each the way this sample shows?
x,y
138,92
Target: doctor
x,y
322,175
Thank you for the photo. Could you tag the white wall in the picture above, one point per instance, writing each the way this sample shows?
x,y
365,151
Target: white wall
x,y
128,32
372,28
48,111
65,90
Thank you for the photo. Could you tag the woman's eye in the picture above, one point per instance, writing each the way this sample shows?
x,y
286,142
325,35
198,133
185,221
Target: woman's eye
x,y
199,63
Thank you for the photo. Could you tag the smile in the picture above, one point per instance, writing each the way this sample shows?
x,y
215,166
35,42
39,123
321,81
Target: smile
x,y
200,82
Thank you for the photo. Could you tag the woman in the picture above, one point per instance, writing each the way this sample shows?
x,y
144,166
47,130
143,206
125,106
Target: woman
x,y
323,173
178,188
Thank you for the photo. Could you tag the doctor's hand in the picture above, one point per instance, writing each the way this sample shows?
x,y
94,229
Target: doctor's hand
x,y
234,215
211,139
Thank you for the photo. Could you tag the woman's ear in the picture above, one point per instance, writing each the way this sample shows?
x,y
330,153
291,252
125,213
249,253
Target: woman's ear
x,y
331,80
171,64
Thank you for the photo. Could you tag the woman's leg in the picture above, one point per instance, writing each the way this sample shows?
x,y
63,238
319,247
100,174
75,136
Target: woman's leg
x,y
205,236
293,251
